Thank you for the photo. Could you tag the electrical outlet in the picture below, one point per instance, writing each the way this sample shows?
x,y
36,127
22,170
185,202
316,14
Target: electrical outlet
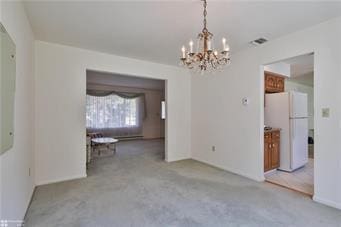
x,y
29,172
213,148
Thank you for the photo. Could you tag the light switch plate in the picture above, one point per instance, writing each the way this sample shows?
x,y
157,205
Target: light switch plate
x,y
325,112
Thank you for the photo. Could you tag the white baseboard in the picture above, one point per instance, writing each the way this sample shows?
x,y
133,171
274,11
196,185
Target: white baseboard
x,y
61,179
29,201
327,202
259,179
177,159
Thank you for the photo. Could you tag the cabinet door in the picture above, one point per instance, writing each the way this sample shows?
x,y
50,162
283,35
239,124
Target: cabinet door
x,y
7,89
275,146
275,155
280,84
273,82
270,82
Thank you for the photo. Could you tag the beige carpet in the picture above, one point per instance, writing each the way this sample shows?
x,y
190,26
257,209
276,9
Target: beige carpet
x,y
136,187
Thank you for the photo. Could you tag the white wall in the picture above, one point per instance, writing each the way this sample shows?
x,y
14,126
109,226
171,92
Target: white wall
x,y
238,133
60,106
16,184
309,90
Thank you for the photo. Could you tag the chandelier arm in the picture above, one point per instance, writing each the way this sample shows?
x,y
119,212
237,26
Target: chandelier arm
x,y
206,59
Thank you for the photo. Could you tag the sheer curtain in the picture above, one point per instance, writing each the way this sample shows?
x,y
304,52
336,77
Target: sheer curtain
x,y
115,114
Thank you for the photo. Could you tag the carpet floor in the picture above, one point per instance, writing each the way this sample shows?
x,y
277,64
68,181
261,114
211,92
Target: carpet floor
x,y
136,187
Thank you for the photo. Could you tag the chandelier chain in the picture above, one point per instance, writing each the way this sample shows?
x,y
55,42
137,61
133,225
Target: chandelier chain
x,y
205,14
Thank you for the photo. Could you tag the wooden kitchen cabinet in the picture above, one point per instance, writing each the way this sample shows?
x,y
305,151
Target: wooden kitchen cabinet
x,y
273,83
271,149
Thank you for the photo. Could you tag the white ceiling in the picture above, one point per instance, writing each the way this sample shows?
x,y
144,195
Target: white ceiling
x,y
302,69
301,65
103,78
156,30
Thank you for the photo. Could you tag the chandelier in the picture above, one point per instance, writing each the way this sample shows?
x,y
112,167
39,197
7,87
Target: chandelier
x,y
206,58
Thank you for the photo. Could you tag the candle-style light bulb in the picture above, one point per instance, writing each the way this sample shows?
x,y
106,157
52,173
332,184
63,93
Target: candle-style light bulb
x,y
191,46
224,44
215,53
227,47
183,49
209,46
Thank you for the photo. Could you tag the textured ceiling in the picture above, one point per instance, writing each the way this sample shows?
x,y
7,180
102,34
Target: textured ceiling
x,y
156,30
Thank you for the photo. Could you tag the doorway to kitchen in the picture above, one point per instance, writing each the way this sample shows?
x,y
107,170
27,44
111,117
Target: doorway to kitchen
x,y
289,123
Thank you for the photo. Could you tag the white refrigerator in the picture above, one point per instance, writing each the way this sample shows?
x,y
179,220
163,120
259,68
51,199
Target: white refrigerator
x,y
289,112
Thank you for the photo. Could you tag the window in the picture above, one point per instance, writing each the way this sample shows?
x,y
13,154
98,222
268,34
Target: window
x,y
111,111
163,110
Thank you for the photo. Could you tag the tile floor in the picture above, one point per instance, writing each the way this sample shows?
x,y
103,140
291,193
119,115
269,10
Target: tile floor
x,y
301,180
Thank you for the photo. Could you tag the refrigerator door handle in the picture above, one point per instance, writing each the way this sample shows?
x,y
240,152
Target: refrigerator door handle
x,y
293,129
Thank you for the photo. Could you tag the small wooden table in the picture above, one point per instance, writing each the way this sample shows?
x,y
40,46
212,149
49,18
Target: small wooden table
x,y
105,141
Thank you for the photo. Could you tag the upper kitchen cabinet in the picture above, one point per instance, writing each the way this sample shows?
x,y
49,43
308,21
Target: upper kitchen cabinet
x,y
273,83
7,82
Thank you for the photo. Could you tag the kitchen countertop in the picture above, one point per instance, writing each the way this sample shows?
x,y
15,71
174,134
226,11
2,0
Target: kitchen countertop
x,y
272,130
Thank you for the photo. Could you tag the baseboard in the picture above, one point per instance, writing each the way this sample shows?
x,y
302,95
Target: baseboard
x,y
327,202
258,179
138,138
177,159
61,179
122,138
270,171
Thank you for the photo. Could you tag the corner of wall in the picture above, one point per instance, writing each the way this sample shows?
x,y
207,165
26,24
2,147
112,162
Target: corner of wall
x,y
327,202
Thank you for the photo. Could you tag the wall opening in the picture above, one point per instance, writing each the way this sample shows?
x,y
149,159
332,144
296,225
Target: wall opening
x,y
288,129
125,116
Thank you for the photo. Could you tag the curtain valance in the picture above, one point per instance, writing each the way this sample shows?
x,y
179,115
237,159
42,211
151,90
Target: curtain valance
x,y
125,95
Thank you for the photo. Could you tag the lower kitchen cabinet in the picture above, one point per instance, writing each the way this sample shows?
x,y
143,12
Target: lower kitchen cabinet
x,y
271,149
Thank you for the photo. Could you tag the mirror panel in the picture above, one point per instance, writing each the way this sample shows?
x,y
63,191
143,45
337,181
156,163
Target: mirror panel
x,y
8,67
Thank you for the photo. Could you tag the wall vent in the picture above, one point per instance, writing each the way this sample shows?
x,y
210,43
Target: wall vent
x,y
259,41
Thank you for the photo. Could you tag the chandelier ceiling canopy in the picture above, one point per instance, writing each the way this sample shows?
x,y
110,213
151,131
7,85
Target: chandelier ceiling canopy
x,y
205,58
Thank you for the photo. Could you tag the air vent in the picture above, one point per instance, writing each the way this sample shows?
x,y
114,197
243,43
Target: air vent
x,y
259,41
